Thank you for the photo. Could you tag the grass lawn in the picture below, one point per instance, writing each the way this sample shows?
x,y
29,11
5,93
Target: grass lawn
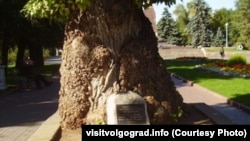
x,y
236,89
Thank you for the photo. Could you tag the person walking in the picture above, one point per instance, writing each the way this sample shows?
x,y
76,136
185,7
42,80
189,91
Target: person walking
x,y
222,52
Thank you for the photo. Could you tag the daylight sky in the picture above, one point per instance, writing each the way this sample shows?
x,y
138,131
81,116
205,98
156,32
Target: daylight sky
x,y
214,4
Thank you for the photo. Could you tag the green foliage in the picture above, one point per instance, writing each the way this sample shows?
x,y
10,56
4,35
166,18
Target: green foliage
x,y
223,16
165,25
147,3
59,10
218,39
167,29
177,115
199,24
243,11
219,18
236,60
46,53
83,4
12,55
238,21
181,22
233,29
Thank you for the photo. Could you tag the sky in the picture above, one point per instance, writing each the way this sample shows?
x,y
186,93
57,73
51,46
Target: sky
x,y
214,4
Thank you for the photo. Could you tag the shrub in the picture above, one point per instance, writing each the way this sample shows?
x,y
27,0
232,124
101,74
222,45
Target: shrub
x,y
12,55
46,53
237,59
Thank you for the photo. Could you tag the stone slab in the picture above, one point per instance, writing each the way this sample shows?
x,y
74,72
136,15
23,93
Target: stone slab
x,y
127,108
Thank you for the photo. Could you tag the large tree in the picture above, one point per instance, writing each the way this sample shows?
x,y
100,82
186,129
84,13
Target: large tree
x,y
109,47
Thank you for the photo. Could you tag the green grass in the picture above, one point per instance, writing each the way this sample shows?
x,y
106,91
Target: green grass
x,y
236,89
12,79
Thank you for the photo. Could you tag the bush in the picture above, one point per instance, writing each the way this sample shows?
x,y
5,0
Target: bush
x,y
12,55
237,59
46,53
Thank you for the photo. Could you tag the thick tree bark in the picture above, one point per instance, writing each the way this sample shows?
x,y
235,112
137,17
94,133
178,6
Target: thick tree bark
x,y
36,54
111,47
20,54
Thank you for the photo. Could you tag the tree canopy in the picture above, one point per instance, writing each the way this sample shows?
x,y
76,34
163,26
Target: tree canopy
x,y
59,9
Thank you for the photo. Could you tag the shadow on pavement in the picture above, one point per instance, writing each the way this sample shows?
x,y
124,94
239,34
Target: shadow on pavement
x,y
29,107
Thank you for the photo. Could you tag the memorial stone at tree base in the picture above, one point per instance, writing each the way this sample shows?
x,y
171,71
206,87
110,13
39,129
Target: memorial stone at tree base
x,y
127,108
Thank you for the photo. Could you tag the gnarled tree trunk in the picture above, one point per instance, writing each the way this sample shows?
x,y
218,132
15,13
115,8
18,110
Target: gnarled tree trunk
x,y
111,47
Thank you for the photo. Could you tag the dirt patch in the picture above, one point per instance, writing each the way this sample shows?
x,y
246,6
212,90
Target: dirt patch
x,y
192,117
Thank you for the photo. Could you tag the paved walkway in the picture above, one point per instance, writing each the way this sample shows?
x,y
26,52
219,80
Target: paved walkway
x,y
21,114
198,94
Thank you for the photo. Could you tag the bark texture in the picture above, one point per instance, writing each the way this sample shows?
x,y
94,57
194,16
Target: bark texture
x,y
111,47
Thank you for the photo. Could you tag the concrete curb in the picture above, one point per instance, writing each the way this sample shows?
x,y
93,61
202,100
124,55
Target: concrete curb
x,y
212,114
190,83
229,101
49,130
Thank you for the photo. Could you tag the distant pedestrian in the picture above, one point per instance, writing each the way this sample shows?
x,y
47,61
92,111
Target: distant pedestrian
x,y
222,52
28,61
26,71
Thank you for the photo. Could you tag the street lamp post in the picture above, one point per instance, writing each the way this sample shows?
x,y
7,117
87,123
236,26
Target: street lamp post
x,y
226,34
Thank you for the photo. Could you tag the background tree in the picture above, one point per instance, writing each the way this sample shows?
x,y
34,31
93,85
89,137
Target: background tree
x,y
109,48
43,34
176,37
9,25
167,29
17,31
220,18
165,25
182,19
219,39
243,19
233,29
199,24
